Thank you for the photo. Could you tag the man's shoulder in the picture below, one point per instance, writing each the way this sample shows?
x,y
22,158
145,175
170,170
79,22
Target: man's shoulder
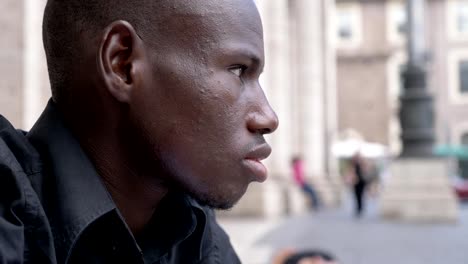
x,y
16,153
22,220
18,162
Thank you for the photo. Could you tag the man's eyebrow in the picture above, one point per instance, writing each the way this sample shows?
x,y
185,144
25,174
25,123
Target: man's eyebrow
x,y
246,52
253,57
257,62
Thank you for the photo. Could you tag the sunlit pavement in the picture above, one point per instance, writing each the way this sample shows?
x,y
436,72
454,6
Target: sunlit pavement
x,y
368,240
246,233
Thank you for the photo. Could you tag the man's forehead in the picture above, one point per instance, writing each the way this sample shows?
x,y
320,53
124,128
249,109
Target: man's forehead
x,y
213,12
207,7
211,21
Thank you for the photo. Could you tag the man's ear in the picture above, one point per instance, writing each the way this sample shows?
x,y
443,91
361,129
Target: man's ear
x,y
119,52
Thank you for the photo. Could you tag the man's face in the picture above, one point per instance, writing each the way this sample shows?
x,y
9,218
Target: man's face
x,y
200,107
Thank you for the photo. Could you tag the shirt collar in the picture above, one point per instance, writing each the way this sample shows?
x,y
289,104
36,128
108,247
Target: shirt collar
x,y
70,189
173,222
74,196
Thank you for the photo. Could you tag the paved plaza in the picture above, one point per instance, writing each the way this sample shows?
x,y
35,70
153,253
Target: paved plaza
x,y
369,240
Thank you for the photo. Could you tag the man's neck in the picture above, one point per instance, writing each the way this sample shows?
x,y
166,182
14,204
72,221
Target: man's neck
x,y
137,205
136,194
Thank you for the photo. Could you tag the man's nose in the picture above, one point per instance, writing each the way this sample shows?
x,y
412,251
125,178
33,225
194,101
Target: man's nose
x,y
264,119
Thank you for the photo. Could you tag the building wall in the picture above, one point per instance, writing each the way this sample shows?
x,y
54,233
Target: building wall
x,y
363,104
364,66
453,110
11,60
24,84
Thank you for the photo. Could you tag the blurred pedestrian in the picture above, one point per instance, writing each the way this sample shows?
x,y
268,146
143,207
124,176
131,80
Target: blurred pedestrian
x,y
299,178
358,170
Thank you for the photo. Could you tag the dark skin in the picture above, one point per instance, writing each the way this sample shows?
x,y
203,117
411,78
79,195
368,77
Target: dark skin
x,y
177,110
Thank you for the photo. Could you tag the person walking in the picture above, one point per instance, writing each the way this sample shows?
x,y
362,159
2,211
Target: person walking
x,y
359,183
299,178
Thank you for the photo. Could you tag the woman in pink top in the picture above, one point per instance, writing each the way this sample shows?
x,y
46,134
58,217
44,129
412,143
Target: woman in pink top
x,y
299,178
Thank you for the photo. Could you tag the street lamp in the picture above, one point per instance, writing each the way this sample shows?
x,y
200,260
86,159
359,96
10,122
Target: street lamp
x,y
417,111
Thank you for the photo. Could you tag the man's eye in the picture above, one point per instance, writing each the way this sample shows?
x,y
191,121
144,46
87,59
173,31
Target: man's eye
x,y
238,70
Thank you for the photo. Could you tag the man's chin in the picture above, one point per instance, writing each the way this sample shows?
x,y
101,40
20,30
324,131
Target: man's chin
x,y
218,203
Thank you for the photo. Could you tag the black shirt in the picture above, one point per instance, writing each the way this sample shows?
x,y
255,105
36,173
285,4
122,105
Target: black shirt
x,y
55,209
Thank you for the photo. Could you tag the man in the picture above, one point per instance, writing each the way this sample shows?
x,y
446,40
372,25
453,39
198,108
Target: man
x,y
156,118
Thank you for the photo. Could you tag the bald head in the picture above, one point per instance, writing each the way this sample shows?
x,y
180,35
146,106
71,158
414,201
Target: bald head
x,y
71,25
170,87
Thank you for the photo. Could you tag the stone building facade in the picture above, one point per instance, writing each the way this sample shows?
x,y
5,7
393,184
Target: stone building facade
x,y
362,57
371,56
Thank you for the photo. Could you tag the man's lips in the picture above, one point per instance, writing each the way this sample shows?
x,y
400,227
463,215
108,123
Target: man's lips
x,y
254,164
260,152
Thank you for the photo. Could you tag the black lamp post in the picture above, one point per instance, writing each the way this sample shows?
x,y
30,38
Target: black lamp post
x,y
417,110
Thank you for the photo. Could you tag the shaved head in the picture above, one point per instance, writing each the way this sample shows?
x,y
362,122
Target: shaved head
x,y
69,25
167,91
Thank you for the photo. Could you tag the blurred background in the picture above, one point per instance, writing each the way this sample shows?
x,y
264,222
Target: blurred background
x,y
369,93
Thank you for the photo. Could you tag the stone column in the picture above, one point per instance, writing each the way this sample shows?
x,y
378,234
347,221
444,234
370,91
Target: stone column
x,y
35,81
312,40
331,95
310,76
276,81
11,60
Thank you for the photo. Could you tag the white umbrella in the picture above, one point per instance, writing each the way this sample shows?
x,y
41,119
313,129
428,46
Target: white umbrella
x,y
347,148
